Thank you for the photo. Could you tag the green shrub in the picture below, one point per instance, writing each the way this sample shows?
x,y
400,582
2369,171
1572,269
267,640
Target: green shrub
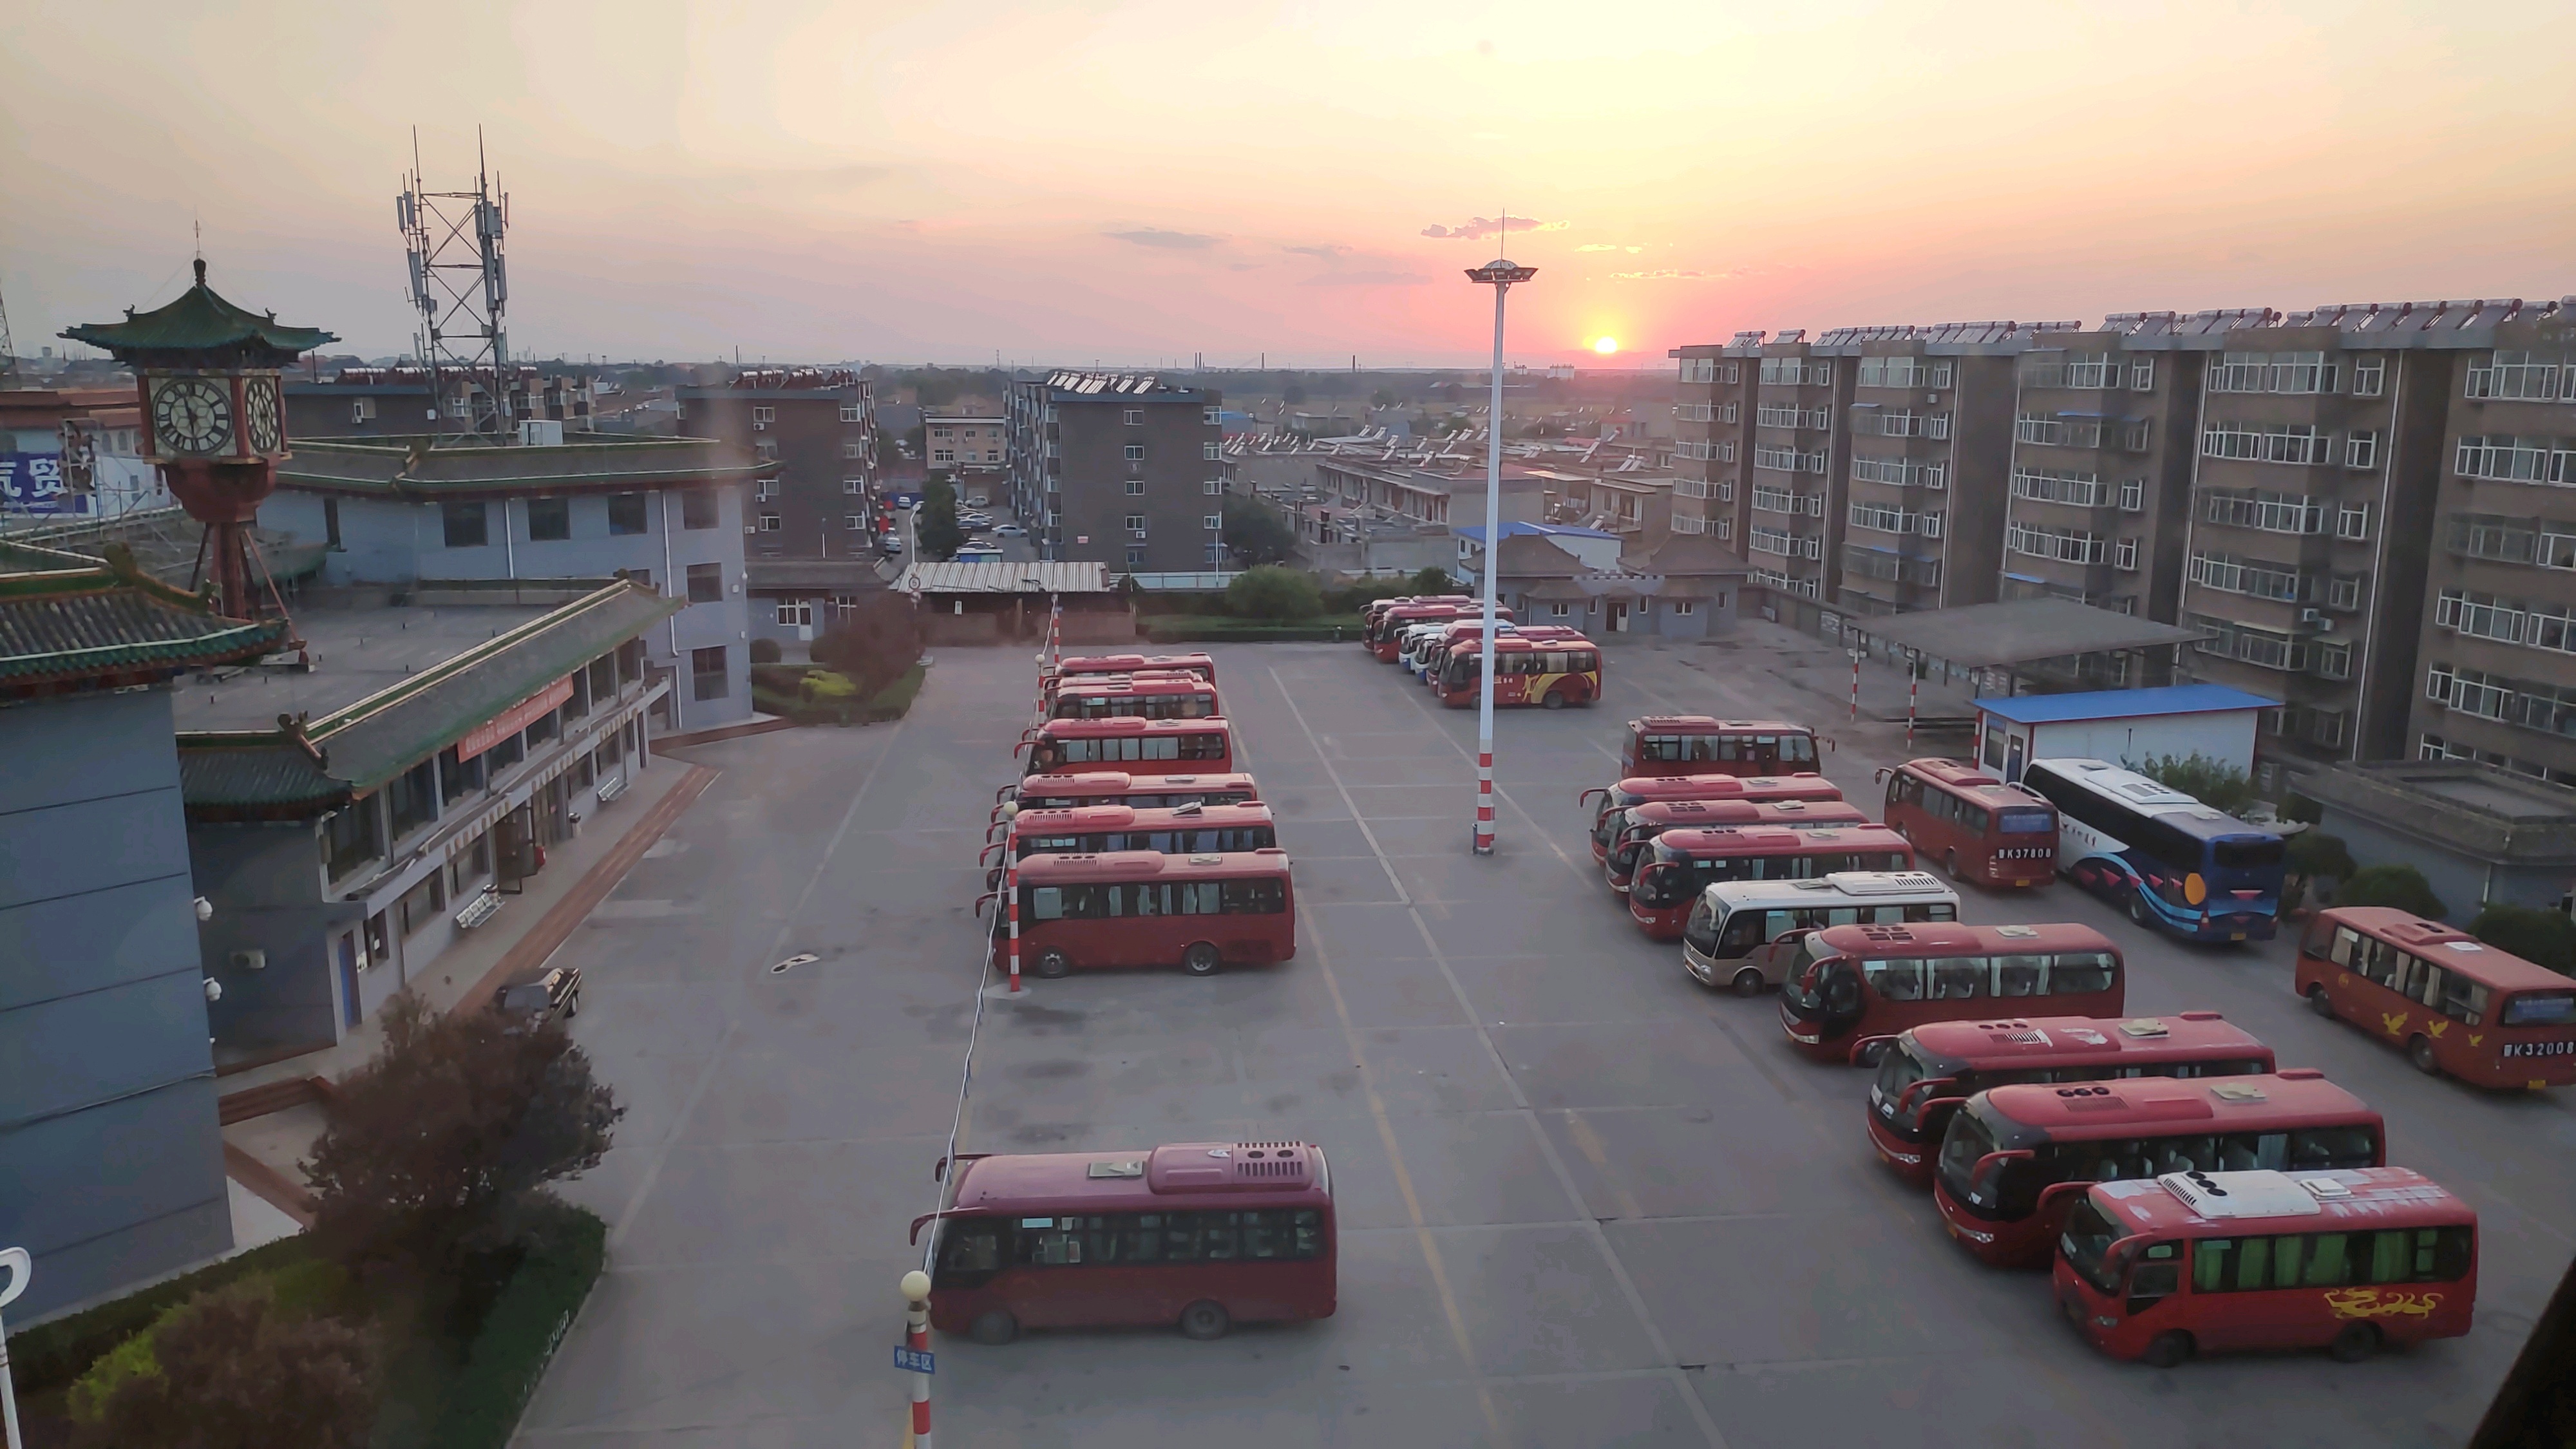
x,y
2400,886
296,1289
2541,937
822,686
766,651
1434,580
895,700
54,1354
1273,593
781,678
1172,629
520,1333
2313,853
2214,784
235,1370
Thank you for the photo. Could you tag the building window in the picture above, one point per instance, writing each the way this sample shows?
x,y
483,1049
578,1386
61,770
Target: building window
x,y
1212,521
1135,558
1135,487
707,673
2515,377
411,798
1135,452
766,450
771,523
1214,555
466,524
697,509
2142,375
625,513
549,520
2133,495
1684,608
853,448
1135,417
855,522
1214,487
2124,555
350,838
2343,591
706,583
2368,373
764,489
1213,452
854,485
2352,520
2361,450
362,410
850,413
762,415
1135,523
796,613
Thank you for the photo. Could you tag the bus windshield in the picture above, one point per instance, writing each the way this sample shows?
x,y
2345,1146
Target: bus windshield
x,y
1700,931
2541,1008
2087,1243
2025,820
1966,1145
2245,854
1898,1070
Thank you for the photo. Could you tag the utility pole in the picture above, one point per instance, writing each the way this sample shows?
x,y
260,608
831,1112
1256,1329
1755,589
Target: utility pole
x,y
1498,274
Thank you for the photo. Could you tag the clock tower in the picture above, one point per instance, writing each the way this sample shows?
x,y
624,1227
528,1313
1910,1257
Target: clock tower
x,y
214,415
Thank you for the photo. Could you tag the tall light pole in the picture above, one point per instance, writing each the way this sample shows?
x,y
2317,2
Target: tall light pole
x,y
1498,274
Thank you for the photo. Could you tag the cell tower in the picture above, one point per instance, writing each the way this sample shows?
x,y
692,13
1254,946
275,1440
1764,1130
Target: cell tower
x,y
452,241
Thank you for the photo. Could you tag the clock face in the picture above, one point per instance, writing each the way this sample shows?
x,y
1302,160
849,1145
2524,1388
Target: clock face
x,y
193,415
259,415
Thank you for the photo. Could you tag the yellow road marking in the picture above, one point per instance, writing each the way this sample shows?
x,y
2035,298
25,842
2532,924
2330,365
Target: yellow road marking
x,y
1596,1152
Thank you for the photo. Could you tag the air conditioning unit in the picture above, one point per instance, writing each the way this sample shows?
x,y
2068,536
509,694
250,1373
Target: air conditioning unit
x,y
2316,619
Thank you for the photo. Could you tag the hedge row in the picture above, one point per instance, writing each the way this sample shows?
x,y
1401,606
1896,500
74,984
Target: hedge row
x,y
520,1333
1178,629
53,1354
891,703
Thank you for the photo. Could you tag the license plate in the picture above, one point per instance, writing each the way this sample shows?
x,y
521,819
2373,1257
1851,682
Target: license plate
x,y
2239,936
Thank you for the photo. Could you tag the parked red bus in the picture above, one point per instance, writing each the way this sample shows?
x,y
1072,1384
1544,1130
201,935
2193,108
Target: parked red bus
x,y
1145,908
1637,827
1862,985
1117,787
1138,746
1680,864
1096,829
2191,1262
1196,1235
1081,665
1391,623
1697,744
1549,673
1640,790
1929,1070
2014,1159
1137,696
2451,1002
1976,826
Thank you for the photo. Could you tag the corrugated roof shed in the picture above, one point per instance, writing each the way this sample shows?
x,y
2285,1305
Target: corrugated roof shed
x,y
1005,578
2122,703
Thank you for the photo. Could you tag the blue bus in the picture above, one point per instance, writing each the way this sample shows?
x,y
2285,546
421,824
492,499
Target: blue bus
x,y
2175,863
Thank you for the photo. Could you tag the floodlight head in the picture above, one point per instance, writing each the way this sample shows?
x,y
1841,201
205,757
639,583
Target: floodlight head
x,y
1501,272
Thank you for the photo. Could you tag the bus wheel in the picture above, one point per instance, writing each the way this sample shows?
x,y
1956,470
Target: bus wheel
x,y
1748,982
1950,863
1053,964
2138,907
1201,959
2419,1050
1555,700
2357,1341
2319,1002
994,1328
1204,1320
2168,1349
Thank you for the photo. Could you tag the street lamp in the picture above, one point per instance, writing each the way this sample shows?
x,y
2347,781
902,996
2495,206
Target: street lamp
x,y
1498,274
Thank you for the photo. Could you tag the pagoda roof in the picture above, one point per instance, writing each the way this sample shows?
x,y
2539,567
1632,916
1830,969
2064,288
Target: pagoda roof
x,y
69,623
200,327
469,466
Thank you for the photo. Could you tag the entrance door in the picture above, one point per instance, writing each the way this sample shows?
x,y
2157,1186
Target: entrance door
x,y
2012,759
1618,617
344,953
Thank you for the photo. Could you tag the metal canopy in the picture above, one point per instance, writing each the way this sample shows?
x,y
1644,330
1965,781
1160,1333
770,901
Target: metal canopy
x,y
2021,631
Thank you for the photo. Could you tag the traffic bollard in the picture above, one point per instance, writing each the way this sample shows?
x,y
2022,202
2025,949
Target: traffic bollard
x,y
916,1334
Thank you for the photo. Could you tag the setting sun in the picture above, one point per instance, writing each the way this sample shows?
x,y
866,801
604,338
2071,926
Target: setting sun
x,y
1605,345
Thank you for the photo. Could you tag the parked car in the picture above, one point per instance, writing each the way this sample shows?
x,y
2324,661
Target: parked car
x,y
537,998
1010,530
891,543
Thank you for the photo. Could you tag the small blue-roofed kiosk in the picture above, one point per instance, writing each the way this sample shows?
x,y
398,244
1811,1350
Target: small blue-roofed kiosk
x,y
2127,725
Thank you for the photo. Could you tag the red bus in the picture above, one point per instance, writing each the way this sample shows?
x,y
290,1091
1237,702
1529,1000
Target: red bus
x,y
1138,746
1862,985
1640,790
1977,826
1550,673
1929,1070
1095,829
1696,744
2191,1261
1145,908
1194,1235
1683,863
1080,665
1137,696
2014,1159
1638,826
1383,629
2453,1003
1117,787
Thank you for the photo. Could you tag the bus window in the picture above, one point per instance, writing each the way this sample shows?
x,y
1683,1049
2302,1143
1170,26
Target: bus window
x,y
2077,972
2020,975
2464,1001
2345,937
1252,897
1896,980
970,1250
1958,978
1046,903
1776,924
2312,1148
1743,933
1972,818
1843,916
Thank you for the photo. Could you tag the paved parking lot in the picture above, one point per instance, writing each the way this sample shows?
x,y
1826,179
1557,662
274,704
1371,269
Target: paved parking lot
x,y
1582,1200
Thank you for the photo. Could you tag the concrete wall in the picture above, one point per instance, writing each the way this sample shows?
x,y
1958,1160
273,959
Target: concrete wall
x,y
265,883
383,541
111,1167
2465,883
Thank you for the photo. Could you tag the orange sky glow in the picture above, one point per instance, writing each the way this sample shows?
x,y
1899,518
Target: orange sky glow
x,y
1070,180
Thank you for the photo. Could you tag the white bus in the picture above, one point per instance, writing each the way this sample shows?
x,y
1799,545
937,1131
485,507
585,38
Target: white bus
x,y
2175,863
1735,931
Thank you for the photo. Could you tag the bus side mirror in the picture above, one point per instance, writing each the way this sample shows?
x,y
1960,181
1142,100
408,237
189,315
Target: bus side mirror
x,y
2057,1192
1977,1174
983,900
1881,773
1586,797
989,847
1867,1044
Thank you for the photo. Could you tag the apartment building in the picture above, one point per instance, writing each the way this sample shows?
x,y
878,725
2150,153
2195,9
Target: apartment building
x,y
1928,427
1713,424
364,402
974,449
1119,468
818,426
2313,506
2497,648
1793,523
2105,431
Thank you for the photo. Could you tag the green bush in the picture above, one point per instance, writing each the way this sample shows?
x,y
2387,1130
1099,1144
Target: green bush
x,y
766,651
895,700
2541,937
296,1289
779,678
519,1335
2313,853
822,686
1273,593
2214,784
2400,886
840,705
52,1355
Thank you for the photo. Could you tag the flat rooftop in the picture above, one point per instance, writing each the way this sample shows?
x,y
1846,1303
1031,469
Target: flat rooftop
x,y
2476,809
357,650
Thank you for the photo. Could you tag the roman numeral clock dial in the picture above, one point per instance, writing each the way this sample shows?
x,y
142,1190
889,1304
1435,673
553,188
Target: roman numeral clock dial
x,y
193,415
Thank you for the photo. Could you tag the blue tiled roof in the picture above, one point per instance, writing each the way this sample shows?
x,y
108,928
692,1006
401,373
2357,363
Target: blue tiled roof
x,y
1476,531
2122,703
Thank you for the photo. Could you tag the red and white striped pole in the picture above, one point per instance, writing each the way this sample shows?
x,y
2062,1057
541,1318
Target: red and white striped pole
x,y
1855,654
1913,693
1011,903
1499,274
916,1333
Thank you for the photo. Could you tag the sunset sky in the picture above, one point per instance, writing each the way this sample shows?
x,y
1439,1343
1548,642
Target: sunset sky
x,y
1135,182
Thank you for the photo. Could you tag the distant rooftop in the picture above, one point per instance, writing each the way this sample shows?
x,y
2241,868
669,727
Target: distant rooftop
x,y
1005,578
1109,386
1476,531
2020,631
2122,703
426,466
2476,809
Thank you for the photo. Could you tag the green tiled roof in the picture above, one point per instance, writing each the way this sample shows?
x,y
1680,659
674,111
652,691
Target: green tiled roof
x,y
200,327
68,622
455,466
360,747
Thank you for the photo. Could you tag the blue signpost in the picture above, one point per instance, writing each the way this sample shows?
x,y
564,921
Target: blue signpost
x,y
915,1360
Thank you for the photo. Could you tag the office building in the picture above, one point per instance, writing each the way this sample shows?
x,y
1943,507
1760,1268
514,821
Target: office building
x,y
815,428
1123,469
371,402
1793,521
1713,425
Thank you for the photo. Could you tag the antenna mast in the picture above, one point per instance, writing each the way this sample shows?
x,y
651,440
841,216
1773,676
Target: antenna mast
x,y
452,243
8,349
